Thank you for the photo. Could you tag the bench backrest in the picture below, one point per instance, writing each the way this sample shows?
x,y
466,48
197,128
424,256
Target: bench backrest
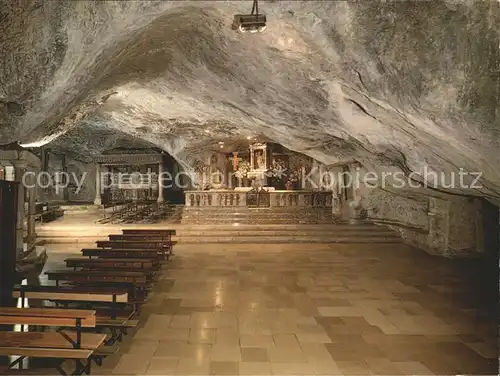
x,y
141,238
124,244
62,340
120,253
136,278
46,353
47,317
149,231
111,263
102,297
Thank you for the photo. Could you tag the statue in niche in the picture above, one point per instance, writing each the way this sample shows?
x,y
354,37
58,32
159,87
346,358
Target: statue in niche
x,y
259,159
217,178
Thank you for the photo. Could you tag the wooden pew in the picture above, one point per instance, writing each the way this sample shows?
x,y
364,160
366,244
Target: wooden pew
x,y
136,283
71,293
149,231
116,263
48,317
125,244
123,253
116,320
164,234
165,241
136,244
86,296
138,279
60,340
61,345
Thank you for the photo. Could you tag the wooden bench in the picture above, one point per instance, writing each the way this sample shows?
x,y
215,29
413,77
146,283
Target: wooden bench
x,y
59,340
48,317
136,283
162,247
117,263
138,279
61,345
74,294
71,293
136,244
149,231
163,240
159,246
152,234
166,242
139,237
89,297
123,253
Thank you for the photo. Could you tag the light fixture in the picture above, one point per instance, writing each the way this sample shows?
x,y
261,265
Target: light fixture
x,y
254,22
249,137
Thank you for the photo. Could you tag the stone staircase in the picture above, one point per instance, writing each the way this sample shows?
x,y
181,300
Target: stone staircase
x,y
238,233
275,234
234,225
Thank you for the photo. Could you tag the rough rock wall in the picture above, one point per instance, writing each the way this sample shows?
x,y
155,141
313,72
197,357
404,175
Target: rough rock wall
x,y
464,232
446,225
385,206
394,85
409,83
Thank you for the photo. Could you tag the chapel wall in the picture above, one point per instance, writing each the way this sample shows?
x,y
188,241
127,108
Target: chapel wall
x,y
444,225
81,187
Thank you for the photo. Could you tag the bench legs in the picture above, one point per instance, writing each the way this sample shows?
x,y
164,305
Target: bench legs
x,y
80,367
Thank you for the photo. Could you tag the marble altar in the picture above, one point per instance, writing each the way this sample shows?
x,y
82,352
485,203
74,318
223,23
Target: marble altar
x,y
277,198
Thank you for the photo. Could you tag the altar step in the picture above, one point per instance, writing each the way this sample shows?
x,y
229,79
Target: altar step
x,y
257,234
244,215
281,234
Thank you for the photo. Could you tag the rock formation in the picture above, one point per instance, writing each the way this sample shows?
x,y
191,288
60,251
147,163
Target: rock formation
x,y
397,86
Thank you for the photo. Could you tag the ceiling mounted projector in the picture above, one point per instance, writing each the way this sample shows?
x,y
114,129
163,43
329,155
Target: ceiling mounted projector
x,y
252,23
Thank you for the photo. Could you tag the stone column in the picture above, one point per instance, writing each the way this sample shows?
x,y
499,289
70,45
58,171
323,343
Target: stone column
x,y
97,200
65,170
160,182
31,207
9,173
20,214
315,175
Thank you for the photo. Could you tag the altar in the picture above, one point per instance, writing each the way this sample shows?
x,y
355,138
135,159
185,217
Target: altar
x,y
261,175
261,198
260,164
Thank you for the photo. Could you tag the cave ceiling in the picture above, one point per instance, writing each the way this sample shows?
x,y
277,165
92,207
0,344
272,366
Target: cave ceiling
x,y
391,84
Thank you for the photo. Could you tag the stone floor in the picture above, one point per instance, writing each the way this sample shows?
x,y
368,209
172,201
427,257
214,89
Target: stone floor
x,y
326,309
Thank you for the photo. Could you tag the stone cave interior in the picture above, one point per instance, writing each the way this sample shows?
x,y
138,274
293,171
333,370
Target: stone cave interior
x,y
249,187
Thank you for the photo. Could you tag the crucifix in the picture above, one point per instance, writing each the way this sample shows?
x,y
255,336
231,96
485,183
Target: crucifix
x,y
235,160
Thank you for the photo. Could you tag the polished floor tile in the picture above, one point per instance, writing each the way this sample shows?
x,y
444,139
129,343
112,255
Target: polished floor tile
x,y
311,309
